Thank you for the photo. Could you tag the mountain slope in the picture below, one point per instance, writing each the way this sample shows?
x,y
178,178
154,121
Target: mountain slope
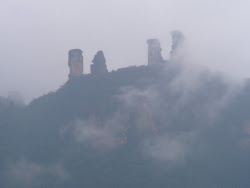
x,y
148,126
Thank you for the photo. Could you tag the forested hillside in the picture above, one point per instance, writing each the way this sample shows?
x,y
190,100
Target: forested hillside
x,y
147,126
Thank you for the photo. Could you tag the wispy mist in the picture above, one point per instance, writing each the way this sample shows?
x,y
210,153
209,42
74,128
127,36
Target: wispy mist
x,y
169,116
36,36
25,173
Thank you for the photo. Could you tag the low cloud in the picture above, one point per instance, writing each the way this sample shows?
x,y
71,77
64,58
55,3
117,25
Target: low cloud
x,y
172,114
99,134
29,174
173,148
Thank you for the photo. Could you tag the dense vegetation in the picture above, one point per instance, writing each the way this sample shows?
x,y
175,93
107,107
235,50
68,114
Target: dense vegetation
x,y
147,126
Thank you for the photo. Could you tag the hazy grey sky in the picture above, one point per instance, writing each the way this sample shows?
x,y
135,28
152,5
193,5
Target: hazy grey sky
x,y
35,36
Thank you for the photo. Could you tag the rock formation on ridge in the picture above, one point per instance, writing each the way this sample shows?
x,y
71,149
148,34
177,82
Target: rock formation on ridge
x,y
177,40
99,64
154,52
75,63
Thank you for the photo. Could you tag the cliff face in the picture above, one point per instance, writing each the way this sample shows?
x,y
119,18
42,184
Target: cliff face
x,y
75,63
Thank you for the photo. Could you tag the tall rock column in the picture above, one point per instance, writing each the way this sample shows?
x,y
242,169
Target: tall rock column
x,y
177,42
154,52
99,64
75,63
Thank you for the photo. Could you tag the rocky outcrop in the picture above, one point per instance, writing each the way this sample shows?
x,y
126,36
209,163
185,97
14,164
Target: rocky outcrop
x,y
154,52
177,40
75,63
99,64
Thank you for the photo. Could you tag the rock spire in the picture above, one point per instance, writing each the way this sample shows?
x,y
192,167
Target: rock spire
x,y
99,64
75,63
